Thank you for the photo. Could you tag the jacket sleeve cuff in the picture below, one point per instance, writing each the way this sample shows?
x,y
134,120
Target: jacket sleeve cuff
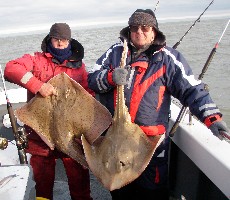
x,y
211,119
110,78
34,85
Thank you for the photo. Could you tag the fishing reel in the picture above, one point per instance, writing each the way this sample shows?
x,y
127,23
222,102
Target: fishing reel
x,y
21,140
3,143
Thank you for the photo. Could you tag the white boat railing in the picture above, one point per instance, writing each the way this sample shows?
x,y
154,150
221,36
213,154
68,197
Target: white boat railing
x,y
17,95
210,154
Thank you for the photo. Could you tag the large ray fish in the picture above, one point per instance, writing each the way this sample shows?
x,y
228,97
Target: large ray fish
x,y
125,151
61,119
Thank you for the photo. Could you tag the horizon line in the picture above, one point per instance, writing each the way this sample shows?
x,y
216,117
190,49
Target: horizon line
x,y
29,30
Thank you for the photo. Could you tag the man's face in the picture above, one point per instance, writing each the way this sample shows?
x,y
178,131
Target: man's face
x,y
142,36
59,43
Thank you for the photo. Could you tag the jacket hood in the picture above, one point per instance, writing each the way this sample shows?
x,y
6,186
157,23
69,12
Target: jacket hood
x,y
76,48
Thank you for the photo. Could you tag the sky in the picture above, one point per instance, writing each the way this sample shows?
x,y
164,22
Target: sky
x,y
29,15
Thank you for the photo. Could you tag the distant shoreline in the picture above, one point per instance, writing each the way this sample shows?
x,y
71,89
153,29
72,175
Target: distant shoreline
x,y
90,25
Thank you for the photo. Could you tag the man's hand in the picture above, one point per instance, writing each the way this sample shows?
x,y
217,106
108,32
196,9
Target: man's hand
x,y
120,76
220,130
47,89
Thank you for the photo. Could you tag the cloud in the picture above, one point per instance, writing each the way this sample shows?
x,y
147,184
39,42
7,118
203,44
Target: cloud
x,y
27,15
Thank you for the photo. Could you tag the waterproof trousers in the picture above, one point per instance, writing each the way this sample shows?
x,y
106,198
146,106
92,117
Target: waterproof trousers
x,y
44,176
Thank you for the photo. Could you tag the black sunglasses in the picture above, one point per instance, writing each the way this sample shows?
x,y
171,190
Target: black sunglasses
x,y
143,28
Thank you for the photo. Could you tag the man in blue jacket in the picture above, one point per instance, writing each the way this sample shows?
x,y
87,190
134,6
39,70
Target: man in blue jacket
x,y
154,73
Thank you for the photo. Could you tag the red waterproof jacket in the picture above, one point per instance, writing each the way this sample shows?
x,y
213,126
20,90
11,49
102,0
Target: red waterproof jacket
x,y
31,71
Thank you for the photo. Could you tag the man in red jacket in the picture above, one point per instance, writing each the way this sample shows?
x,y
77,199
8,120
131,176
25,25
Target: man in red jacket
x,y
60,53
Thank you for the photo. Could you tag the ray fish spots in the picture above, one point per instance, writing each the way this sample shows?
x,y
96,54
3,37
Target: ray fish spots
x,y
61,120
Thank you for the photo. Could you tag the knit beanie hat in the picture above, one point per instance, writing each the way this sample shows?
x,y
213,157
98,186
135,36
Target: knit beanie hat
x,y
143,17
60,31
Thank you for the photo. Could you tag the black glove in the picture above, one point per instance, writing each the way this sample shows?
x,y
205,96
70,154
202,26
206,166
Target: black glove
x,y
120,76
220,130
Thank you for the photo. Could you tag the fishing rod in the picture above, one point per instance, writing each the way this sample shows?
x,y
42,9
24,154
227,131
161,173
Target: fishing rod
x,y
183,109
182,112
19,133
156,6
197,20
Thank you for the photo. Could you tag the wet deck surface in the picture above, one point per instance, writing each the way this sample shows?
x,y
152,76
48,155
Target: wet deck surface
x,y
61,191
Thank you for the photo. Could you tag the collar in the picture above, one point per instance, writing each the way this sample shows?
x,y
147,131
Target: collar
x,y
76,48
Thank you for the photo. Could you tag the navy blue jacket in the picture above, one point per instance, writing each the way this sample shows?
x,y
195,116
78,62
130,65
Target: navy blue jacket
x,y
153,79
154,76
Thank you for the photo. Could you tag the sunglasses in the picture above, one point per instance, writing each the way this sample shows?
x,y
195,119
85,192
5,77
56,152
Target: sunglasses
x,y
143,28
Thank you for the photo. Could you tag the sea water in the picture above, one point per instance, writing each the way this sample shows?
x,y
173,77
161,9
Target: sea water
x,y
195,46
